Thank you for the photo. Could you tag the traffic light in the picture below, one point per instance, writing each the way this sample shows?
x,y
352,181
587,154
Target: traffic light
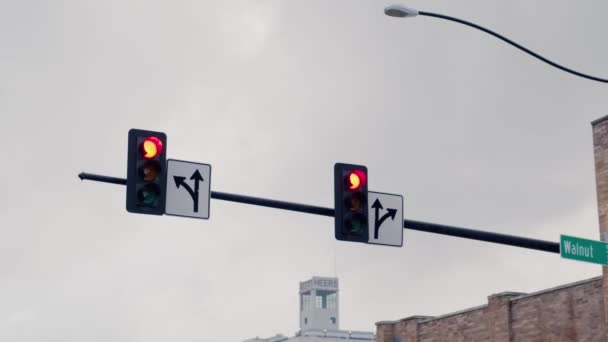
x,y
146,172
350,195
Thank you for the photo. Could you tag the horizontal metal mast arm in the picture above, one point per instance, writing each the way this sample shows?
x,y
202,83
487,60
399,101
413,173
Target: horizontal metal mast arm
x,y
466,233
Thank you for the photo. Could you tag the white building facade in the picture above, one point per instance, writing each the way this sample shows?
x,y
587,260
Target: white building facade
x,y
319,316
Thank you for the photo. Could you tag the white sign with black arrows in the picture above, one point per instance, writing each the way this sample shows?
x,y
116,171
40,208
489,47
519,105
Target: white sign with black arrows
x,y
188,189
385,218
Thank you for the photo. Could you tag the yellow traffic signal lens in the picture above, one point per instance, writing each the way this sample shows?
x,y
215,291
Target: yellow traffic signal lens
x,y
356,202
356,180
150,171
151,147
150,150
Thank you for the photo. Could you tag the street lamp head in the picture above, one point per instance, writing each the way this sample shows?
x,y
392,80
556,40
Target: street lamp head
x,y
399,11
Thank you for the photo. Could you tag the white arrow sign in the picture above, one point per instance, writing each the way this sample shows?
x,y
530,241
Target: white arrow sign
x,y
385,219
188,189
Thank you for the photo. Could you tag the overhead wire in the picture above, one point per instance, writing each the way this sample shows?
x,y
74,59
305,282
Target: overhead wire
x,y
509,41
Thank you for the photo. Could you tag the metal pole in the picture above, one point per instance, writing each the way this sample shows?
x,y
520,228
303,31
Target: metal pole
x,y
466,233
509,41
104,179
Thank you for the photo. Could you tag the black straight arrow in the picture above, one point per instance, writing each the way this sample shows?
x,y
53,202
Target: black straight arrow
x,y
378,222
181,181
196,176
377,205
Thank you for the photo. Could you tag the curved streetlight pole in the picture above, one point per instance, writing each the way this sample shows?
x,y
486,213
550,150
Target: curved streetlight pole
x,y
399,11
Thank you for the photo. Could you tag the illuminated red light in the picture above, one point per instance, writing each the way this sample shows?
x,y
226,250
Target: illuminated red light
x,y
151,147
356,180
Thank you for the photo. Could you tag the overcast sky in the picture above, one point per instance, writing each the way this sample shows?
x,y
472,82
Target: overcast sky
x,y
272,93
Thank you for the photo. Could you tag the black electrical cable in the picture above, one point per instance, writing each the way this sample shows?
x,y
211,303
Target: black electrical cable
x,y
509,41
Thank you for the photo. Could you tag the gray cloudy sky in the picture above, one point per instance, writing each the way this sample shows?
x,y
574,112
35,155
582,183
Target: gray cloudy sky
x,y
271,93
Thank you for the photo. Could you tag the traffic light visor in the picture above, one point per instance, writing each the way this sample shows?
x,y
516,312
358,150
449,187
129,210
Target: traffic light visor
x,y
151,147
356,180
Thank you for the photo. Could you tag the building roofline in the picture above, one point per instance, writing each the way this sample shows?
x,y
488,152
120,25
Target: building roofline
x,y
410,318
350,335
336,331
597,121
508,293
424,319
455,313
556,288
521,296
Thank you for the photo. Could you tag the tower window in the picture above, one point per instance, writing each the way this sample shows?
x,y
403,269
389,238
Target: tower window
x,y
331,300
305,320
306,302
333,320
319,302
326,300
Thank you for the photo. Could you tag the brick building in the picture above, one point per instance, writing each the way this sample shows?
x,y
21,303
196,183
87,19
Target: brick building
x,y
571,312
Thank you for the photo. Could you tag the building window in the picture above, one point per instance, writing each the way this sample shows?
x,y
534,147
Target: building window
x,y
396,339
319,302
305,320
331,300
326,299
306,301
333,320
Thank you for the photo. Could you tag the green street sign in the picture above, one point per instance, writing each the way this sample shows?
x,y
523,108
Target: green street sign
x,y
584,250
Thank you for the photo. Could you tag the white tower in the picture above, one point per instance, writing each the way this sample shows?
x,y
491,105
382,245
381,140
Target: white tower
x,y
319,304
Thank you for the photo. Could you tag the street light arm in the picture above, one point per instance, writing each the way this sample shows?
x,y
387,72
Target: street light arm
x,y
507,40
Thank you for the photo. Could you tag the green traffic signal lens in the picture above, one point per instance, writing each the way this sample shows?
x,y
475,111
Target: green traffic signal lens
x,y
356,225
149,194
148,197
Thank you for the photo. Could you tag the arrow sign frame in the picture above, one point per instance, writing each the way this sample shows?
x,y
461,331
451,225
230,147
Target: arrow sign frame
x,y
385,220
188,189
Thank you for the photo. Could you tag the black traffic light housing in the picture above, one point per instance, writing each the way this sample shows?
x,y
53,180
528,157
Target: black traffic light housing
x,y
350,202
146,172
